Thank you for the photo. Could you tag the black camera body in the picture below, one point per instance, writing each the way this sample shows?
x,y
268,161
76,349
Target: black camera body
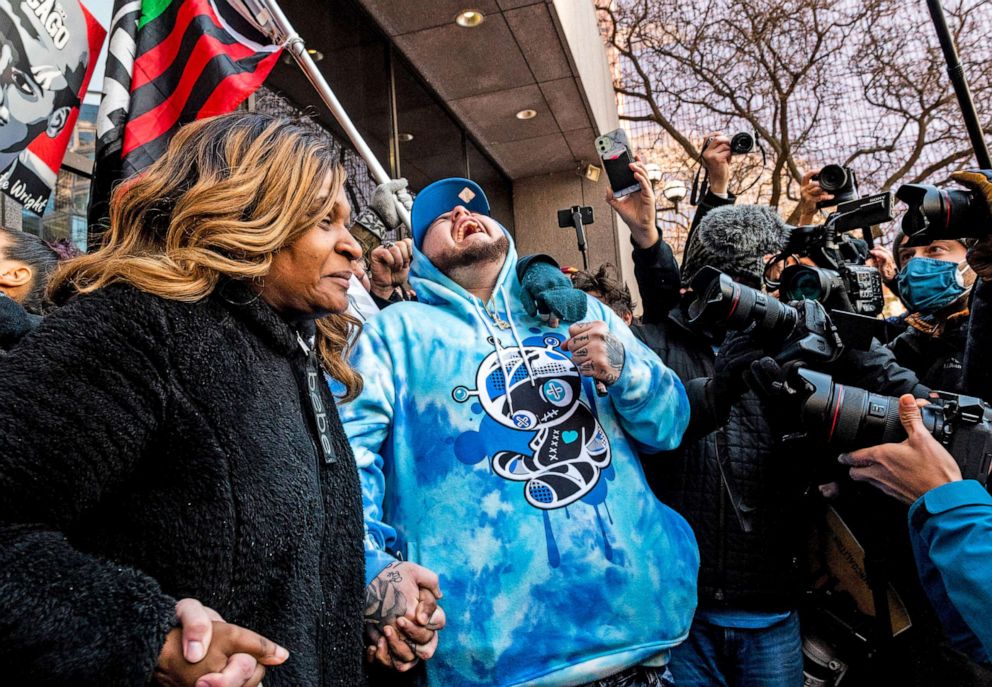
x,y
741,143
799,331
839,277
840,181
850,418
854,288
938,213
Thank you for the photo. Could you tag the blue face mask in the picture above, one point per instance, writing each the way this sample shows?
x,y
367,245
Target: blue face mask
x,y
926,285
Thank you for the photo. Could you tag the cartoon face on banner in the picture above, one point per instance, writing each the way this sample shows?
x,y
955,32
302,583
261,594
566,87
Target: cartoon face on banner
x,y
47,52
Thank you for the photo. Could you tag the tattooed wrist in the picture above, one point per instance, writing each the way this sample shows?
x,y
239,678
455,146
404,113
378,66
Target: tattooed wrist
x,y
616,356
384,602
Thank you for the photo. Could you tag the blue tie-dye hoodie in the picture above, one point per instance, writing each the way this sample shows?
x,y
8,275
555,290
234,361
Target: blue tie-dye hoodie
x,y
486,458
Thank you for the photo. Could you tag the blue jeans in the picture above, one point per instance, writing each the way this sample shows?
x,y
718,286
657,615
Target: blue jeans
x,y
716,656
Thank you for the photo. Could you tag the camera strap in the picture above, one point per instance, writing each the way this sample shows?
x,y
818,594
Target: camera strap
x,y
699,191
701,186
740,510
764,164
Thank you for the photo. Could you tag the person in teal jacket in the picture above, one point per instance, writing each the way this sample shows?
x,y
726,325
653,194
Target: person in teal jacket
x,y
950,523
488,456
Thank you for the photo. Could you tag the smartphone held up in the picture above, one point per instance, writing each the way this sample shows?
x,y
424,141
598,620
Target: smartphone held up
x,y
614,151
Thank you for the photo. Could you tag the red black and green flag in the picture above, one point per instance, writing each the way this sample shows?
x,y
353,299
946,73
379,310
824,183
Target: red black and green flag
x,y
170,62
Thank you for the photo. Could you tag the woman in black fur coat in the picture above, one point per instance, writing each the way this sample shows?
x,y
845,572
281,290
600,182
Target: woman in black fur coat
x,y
172,438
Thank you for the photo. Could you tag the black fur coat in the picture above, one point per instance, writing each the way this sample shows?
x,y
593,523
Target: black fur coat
x,y
152,450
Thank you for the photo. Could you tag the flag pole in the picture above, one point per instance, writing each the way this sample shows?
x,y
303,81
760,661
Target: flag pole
x,y
270,19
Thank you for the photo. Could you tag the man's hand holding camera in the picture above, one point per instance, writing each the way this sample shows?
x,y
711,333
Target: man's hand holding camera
x,y
716,160
980,254
909,469
811,193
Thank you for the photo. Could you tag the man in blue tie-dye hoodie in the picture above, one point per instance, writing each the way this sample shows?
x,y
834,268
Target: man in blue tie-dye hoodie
x,y
489,458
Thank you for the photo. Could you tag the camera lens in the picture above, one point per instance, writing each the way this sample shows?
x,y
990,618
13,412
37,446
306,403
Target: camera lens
x,y
742,143
849,418
833,178
936,213
806,285
724,302
803,282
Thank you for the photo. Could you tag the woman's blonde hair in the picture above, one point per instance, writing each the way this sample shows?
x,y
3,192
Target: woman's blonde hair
x,y
229,193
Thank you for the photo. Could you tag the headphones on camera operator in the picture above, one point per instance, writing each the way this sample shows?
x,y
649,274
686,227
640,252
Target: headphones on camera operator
x,y
742,143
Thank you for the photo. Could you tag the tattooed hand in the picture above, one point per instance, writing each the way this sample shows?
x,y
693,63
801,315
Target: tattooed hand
x,y
595,351
402,616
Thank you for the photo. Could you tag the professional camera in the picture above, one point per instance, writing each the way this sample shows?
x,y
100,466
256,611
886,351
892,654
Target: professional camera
x,y
937,213
742,143
802,330
839,277
850,418
839,181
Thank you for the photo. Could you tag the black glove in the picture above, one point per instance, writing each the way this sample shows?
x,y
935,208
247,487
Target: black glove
x,y
784,406
734,358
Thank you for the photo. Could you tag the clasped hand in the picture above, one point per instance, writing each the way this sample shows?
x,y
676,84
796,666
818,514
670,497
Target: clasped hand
x,y
402,616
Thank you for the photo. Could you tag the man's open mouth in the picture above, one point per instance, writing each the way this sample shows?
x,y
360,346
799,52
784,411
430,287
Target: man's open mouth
x,y
466,228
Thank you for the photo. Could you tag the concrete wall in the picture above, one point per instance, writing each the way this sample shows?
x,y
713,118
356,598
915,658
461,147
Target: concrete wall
x,y
536,201
576,20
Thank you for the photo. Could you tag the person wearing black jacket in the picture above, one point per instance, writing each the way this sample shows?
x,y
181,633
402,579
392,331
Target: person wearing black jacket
x,y
739,487
174,452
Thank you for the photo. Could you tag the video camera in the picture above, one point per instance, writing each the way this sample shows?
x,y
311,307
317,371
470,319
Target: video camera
x,y
938,213
850,418
839,277
803,329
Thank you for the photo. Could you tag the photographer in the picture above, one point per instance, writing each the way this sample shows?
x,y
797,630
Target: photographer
x,y
715,160
950,525
934,282
740,488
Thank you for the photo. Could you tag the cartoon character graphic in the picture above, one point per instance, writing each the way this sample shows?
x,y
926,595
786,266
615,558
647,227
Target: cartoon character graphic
x,y
534,389
44,54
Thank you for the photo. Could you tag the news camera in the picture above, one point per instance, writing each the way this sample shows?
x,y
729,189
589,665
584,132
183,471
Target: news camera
x,y
838,278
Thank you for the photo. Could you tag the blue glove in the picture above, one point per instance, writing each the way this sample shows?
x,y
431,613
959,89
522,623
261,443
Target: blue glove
x,y
549,293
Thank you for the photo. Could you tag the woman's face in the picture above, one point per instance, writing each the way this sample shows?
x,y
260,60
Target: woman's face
x,y
309,278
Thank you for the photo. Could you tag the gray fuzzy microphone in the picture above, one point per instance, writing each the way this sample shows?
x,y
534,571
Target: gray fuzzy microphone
x,y
735,239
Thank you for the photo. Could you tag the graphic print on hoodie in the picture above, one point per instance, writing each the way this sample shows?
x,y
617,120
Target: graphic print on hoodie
x,y
557,563
543,396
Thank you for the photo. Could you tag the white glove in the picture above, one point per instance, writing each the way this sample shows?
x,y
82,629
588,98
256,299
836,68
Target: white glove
x,y
384,200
